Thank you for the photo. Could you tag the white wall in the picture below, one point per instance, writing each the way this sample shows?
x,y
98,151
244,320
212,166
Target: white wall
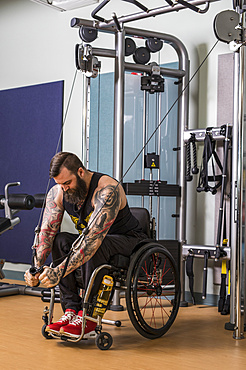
x,y
37,46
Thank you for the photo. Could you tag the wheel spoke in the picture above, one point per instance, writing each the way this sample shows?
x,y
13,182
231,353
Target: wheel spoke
x,y
154,298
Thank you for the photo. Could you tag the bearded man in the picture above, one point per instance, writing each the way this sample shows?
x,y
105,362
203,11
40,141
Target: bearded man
x,y
91,199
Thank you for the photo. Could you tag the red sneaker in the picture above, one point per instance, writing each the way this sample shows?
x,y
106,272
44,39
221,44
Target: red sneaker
x,y
74,329
67,318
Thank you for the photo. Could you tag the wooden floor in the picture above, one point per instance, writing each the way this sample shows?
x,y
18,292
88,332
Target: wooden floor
x,y
197,340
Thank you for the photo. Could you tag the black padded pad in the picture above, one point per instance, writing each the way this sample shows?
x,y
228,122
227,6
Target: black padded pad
x,y
143,217
5,223
120,261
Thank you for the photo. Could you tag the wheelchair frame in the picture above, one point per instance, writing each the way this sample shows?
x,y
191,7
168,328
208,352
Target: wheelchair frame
x,y
152,279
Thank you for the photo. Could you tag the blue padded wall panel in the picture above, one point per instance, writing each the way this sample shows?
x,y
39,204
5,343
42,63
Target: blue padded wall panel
x,y
30,122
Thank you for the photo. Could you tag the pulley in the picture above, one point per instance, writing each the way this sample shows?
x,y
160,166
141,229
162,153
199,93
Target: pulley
x,y
153,82
130,46
226,26
154,45
141,55
88,34
85,61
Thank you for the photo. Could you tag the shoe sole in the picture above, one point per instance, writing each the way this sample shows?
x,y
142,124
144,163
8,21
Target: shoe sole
x,y
91,334
48,330
64,334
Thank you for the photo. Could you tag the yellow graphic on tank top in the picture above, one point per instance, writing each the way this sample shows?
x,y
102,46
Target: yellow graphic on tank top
x,y
81,226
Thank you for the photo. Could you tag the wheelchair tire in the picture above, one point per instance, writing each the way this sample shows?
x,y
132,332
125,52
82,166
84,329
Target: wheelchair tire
x,y
153,290
45,334
104,341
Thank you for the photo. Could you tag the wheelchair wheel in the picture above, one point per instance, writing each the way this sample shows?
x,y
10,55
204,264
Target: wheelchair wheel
x,y
104,341
153,290
45,334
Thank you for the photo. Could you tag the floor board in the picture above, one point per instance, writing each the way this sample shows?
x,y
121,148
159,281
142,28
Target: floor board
x,y
197,340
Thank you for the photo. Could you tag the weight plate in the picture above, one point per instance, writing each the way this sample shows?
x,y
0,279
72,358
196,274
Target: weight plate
x,y
88,34
154,44
130,46
141,55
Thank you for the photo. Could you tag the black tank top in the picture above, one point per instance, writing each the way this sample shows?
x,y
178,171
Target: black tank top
x,y
124,222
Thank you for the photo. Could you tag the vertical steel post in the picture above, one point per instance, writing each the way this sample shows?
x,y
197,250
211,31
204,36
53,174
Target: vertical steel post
x,y
118,125
183,107
86,121
237,193
144,136
159,153
119,105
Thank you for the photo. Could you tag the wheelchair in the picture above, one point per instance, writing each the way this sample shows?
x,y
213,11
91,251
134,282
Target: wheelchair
x,y
149,279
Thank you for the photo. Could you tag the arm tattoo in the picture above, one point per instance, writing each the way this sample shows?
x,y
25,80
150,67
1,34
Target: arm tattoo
x,y
54,274
102,219
52,218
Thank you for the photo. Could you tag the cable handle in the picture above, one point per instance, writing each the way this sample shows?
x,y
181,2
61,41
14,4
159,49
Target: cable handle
x,y
188,176
195,169
36,270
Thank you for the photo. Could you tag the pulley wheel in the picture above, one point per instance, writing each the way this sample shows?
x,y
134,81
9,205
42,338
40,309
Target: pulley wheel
x,y
88,34
154,44
130,46
141,55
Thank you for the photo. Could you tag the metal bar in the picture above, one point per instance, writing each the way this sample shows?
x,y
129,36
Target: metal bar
x,y
236,198
108,53
159,153
201,133
152,13
85,134
12,290
166,72
201,248
119,106
110,24
183,107
239,320
144,138
118,135
87,123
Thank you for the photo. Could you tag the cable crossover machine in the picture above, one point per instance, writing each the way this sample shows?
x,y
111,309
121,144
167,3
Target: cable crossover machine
x,y
229,28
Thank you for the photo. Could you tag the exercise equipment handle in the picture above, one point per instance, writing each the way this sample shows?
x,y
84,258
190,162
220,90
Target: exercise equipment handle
x,y
205,274
95,11
35,270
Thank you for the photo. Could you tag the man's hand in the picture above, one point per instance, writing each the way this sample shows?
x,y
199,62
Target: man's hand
x,y
50,277
30,279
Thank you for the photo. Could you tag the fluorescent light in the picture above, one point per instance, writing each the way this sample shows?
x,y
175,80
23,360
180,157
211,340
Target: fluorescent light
x,y
63,5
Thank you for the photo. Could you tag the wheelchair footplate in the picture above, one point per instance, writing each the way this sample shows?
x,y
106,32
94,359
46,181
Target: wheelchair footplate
x,y
103,340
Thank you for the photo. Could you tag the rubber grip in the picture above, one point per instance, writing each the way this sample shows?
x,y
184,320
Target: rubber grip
x,y
35,270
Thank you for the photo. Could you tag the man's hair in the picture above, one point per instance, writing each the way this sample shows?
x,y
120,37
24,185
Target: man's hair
x,y
64,159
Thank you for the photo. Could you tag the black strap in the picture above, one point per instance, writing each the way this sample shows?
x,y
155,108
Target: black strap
x,y
209,153
190,274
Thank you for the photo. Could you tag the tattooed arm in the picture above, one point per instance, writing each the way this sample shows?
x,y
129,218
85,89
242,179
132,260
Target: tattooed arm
x,y
101,220
52,218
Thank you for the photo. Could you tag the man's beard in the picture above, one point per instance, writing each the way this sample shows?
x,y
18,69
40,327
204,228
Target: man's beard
x,y
77,195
